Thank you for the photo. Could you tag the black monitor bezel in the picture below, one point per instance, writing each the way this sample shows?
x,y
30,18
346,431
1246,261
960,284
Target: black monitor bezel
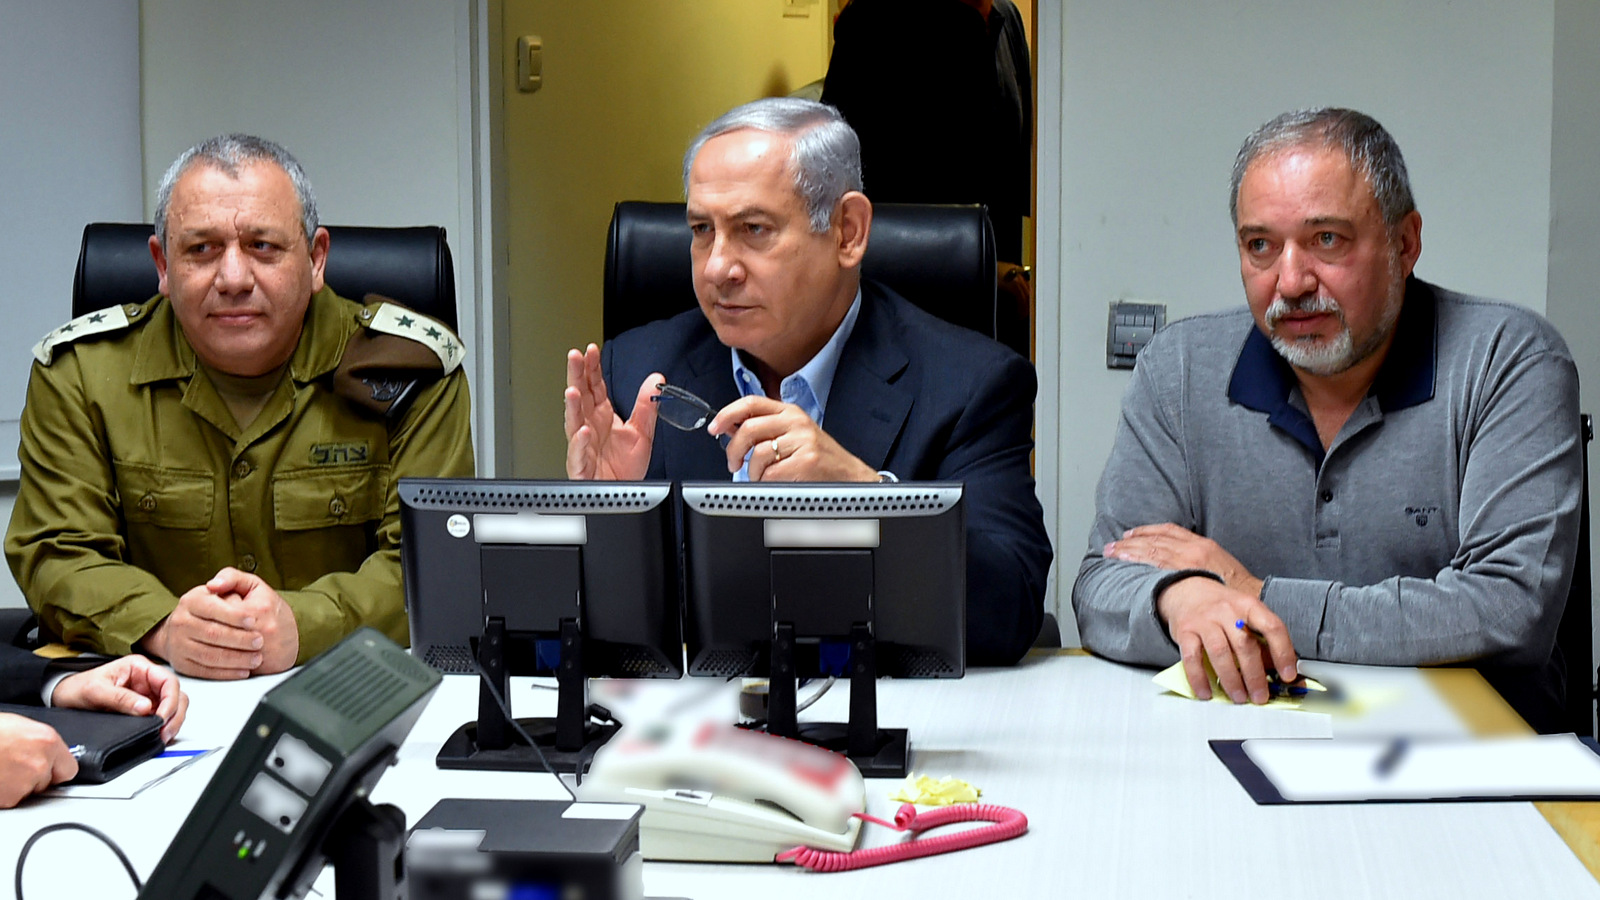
x,y
629,639
919,633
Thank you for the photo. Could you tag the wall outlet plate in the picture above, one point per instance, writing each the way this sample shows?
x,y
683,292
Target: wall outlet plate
x,y
1129,326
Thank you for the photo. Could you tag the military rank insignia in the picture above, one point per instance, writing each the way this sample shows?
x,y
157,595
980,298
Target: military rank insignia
x,y
392,318
111,318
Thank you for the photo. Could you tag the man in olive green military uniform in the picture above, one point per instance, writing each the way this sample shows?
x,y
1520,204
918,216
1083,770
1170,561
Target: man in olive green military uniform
x,y
210,476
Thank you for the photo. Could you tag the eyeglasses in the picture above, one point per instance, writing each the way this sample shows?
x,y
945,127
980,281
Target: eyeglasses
x,y
684,410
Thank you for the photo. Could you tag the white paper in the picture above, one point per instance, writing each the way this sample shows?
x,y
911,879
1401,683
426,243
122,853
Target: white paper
x,y
1347,769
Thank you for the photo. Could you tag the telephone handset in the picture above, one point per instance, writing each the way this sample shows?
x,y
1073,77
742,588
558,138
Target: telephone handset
x,y
718,793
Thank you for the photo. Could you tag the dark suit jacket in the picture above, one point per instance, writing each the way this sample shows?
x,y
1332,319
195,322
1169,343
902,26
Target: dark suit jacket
x,y
914,395
22,675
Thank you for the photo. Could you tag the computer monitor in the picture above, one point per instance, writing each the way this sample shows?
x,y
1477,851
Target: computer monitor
x,y
812,580
291,793
578,579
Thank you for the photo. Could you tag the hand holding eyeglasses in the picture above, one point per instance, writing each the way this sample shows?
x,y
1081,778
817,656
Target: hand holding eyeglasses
x,y
784,443
599,444
684,410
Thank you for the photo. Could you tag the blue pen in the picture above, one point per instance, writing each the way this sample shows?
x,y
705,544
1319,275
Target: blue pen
x,y
1390,758
1279,688
1239,624
1276,686
176,753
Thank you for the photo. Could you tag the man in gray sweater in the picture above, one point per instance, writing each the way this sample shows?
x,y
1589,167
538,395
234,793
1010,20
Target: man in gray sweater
x,y
1360,467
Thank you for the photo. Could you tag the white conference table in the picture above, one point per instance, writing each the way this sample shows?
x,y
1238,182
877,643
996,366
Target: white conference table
x,y
1123,795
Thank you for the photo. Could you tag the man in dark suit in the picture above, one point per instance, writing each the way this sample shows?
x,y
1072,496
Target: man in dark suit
x,y
32,755
788,338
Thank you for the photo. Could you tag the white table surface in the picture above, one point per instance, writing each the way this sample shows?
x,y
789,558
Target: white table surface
x,y
1123,796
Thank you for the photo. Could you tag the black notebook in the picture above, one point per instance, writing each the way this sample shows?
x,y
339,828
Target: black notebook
x,y
106,744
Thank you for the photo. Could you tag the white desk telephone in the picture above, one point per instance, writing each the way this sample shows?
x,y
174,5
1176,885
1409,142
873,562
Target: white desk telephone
x,y
718,793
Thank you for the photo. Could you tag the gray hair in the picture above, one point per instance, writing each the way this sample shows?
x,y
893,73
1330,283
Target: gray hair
x,y
826,160
228,152
1370,149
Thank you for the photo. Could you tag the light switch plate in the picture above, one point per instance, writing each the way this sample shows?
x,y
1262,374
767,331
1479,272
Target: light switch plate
x,y
530,63
1129,326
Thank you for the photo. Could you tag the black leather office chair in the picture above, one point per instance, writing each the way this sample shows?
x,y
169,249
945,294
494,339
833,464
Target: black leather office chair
x,y
1574,636
938,257
409,265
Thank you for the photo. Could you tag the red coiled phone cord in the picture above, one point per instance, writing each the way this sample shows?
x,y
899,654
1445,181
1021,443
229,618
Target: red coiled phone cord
x,y
1008,823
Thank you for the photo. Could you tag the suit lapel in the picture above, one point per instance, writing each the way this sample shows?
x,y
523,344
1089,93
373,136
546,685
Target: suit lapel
x,y
708,370
866,408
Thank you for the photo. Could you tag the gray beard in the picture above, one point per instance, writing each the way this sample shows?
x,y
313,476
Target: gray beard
x,y
1314,355
1339,353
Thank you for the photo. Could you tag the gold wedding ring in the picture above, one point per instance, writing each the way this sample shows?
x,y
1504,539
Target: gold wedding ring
x,y
776,453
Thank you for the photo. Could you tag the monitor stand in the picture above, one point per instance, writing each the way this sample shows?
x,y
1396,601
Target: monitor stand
x,y
567,741
365,848
877,752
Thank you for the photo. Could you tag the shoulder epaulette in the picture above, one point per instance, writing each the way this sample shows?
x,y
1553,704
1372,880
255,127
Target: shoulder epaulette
x,y
112,318
392,318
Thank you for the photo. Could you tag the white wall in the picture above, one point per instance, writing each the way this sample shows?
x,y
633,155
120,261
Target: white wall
x,y
69,155
375,98
1575,201
1155,96
1575,188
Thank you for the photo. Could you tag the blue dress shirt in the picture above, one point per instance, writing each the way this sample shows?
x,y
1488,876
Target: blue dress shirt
x,y
807,388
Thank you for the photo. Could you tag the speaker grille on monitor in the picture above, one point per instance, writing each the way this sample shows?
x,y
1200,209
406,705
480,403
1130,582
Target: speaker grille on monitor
x,y
571,497
876,500
638,663
725,663
915,663
452,659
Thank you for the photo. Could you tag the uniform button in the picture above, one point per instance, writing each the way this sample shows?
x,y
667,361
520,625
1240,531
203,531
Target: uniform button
x,y
1326,495
336,506
248,562
241,469
148,503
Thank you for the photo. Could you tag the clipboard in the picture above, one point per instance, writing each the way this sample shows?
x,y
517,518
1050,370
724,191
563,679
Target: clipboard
x,y
1445,770
106,744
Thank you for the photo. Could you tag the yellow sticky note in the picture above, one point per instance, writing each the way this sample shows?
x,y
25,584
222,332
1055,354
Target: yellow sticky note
x,y
1173,679
926,791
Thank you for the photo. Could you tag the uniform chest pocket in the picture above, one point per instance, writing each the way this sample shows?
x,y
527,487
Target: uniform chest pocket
x,y
323,498
165,498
